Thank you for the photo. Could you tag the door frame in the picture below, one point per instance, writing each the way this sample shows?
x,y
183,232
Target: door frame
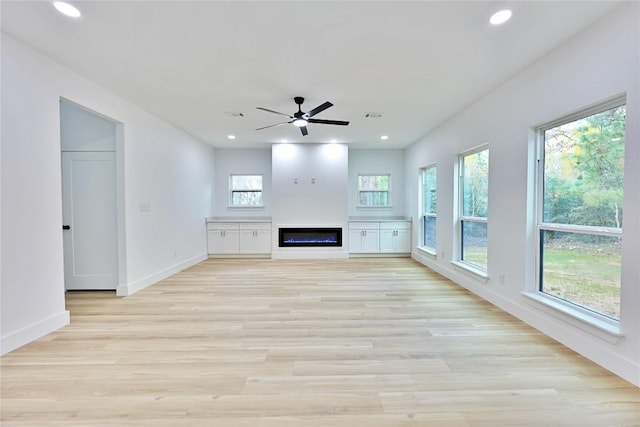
x,y
121,288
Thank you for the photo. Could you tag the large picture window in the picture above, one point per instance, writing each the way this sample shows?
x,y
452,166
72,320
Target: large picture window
x,y
474,199
580,180
374,190
429,200
245,190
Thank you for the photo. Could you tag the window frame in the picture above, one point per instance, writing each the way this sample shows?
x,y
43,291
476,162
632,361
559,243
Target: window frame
x,y
473,267
232,190
596,318
360,190
423,214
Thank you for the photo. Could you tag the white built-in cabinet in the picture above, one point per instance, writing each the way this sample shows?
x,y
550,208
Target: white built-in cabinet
x,y
395,237
255,238
238,238
380,237
364,237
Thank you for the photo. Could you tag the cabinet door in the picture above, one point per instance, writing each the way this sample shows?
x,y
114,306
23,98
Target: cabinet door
x,y
215,241
395,241
356,238
371,242
263,241
231,243
402,241
364,237
387,238
363,241
222,241
255,241
247,241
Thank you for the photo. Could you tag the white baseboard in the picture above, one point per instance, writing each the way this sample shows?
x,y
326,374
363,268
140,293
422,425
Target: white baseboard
x,y
33,332
131,288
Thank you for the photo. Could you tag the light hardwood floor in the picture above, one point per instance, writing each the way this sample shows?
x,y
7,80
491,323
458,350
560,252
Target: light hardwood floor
x,y
279,343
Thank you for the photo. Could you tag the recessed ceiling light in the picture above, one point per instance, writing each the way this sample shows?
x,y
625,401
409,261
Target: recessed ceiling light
x,y
333,141
500,17
231,136
67,9
283,140
384,137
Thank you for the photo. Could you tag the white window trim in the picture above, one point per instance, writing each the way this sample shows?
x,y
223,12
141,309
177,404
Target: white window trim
x,y
381,207
591,321
231,206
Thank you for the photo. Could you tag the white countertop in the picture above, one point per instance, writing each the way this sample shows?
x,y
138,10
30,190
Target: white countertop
x,y
378,218
238,219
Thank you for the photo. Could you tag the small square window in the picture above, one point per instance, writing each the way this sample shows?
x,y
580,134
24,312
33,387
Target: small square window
x,y
245,191
374,190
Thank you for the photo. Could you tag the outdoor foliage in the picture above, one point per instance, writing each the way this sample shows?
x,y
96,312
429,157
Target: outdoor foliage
x,y
476,184
584,171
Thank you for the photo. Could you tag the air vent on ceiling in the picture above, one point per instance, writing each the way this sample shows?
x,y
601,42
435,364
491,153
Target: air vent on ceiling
x,y
234,114
372,115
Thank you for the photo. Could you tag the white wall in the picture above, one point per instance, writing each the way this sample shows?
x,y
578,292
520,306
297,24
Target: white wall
x,y
309,183
242,161
377,162
162,168
81,130
593,66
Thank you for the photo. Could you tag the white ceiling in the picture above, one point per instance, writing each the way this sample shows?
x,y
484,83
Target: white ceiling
x,y
192,62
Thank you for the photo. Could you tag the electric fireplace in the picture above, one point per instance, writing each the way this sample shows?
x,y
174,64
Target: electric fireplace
x,y
305,237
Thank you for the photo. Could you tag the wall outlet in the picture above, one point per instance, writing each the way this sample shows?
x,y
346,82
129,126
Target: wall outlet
x,y
502,279
442,254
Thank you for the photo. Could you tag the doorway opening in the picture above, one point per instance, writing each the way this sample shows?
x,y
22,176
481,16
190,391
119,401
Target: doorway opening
x,y
90,198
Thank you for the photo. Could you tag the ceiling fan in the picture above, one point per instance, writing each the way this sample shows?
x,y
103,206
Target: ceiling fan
x,y
301,119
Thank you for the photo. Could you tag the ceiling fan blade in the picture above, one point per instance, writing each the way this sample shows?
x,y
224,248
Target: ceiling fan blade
x,y
270,126
303,129
328,122
272,111
319,108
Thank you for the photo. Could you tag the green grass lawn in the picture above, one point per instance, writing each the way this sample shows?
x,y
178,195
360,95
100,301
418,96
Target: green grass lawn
x,y
588,279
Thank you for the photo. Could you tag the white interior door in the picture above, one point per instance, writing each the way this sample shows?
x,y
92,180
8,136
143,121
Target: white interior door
x,y
90,220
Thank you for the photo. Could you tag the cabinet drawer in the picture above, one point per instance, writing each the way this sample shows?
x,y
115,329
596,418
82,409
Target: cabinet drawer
x,y
255,226
363,225
222,226
395,225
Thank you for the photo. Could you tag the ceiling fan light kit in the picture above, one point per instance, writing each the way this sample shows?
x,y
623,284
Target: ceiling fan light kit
x,y
300,118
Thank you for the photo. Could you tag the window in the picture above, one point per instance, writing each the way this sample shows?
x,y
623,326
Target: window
x,y
246,191
474,198
373,190
428,207
579,226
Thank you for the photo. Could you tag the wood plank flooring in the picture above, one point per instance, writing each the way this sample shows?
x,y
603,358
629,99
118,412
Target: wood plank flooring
x,y
318,343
